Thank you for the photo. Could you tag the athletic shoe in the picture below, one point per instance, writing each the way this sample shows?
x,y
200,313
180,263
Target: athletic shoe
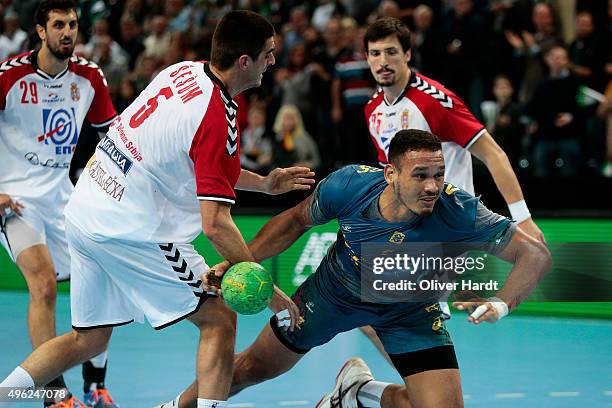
x,y
71,402
353,374
99,398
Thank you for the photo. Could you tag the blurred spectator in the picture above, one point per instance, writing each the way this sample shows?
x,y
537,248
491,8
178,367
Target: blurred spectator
x,y
352,88
256,142
115,69
158,42
588,53
146,67
427,43
502,119
530,47
99,40
466,36
126,95
294,30
293,146
323,13
557,118
135,9
605,112
386,8
13,38
130,39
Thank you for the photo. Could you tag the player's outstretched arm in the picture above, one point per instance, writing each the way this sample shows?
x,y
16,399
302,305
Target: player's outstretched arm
x,y
531,261
278,181
281,231
496,160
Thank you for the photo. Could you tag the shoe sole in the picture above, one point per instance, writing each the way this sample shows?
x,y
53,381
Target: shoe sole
x,y
338,381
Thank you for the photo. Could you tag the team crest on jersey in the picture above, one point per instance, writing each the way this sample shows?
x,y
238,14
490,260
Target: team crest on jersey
x,y
397,237
60,130
405,114
74,92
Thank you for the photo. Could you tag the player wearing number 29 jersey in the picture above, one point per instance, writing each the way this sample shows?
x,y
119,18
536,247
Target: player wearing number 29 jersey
x,y
175,144
40,120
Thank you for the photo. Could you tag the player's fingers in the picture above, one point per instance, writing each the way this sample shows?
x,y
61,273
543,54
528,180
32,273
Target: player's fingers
x,y
303,180
479,312
301,187
299,169
16,207
295,315
490,316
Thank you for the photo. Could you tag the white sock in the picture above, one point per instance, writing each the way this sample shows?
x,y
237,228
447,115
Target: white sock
x,y
99,361
370,393
19,378
206,403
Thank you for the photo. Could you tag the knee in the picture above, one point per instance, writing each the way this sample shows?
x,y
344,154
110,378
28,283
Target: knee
x,y
42,284
91,342
251,369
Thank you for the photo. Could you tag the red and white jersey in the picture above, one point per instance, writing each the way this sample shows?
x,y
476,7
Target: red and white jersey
x,y
40,121
427,105
176,143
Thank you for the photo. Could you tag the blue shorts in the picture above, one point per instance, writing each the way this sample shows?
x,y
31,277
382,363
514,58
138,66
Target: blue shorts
x,y
328,308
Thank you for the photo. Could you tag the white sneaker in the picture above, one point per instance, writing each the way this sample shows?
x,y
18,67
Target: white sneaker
x,y
353,374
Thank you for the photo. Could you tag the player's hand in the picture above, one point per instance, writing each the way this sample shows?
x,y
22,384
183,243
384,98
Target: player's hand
x,y
287,313
211,279
483,310
282,180
530,228
7,204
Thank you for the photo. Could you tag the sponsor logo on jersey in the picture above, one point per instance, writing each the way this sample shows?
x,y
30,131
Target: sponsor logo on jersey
x,y
105,181
60,129
117,156
53,86
74,92
52,97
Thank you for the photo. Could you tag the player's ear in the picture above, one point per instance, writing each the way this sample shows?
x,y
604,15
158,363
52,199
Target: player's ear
x,y
40,30
244,61
390,173
408,55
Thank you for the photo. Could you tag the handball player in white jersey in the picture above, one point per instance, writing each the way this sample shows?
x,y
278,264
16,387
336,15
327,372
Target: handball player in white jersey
x,y
166,171
45,96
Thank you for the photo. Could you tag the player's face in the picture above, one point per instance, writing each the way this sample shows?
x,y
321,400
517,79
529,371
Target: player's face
x,y
417,182
264,60
60,34
388,61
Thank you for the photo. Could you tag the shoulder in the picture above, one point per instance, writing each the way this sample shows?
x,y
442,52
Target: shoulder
x,y
86,69
457,207
425,91
374,102
16,67
352,182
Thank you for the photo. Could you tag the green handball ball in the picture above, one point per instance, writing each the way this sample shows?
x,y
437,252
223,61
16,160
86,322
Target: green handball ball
x,y
247,288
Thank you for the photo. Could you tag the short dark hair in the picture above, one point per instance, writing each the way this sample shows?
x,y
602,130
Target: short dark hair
x,y
412,139
383,28
42,12
239,32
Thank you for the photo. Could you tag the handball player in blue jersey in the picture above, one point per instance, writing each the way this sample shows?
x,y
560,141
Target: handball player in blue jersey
x,y
409,199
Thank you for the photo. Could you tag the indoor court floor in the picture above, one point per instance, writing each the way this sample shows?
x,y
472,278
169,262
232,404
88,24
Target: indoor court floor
x,y
518,362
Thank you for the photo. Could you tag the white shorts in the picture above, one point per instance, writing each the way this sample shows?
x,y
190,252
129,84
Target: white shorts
x,y
34,228
115,282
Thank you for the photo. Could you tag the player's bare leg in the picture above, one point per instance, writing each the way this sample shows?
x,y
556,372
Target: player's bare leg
x,y
434,388
217,324
61,353
37,268
263,360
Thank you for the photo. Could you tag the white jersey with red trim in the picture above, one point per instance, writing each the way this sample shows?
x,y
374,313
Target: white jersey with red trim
x,y
427,105
176,143
40,120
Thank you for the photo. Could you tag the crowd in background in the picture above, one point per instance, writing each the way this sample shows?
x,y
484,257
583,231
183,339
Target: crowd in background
x,y
537,74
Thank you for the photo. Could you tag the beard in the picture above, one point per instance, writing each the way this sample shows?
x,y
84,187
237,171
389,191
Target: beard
x,y
59,54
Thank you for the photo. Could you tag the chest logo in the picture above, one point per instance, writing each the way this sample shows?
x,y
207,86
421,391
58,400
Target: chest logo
x,y
74,92
397,237
60,130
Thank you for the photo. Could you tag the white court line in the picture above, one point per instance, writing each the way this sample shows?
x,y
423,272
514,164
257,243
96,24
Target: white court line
x,y
241,405
608,393
292,403
564,394
503,395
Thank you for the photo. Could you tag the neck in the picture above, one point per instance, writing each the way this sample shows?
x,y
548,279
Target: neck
x,y
230,80
49,63
391,209
395,90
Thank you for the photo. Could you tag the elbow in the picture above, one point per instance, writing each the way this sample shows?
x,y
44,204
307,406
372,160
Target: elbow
x,y
211,229
544,257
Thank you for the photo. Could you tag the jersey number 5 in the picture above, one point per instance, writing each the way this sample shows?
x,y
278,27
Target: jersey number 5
x,y
147,110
